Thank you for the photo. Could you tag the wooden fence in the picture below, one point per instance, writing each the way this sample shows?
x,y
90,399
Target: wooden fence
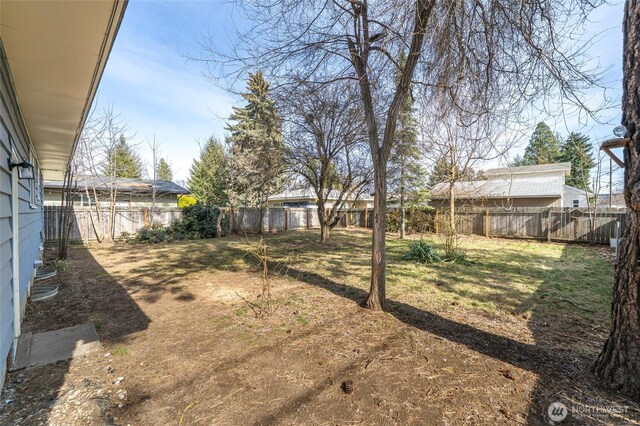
x,y
535,223
127,219
565,224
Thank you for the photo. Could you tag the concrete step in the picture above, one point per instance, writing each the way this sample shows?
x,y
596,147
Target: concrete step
x,y
39,349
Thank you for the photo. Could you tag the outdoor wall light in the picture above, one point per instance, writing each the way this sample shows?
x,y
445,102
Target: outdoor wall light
x,y
620,131
25,169
619,142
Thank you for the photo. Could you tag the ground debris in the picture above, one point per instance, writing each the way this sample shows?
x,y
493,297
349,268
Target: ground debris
x,y
347,386
506,373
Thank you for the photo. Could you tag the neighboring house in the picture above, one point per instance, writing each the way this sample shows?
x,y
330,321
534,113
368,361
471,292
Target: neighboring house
x,y
52,55
306,198
527,186
617,200
129,192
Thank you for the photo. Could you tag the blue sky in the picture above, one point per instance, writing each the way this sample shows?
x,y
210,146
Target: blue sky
x,y
150,83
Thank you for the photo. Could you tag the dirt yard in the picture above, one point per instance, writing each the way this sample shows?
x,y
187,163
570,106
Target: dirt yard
x,y
491,340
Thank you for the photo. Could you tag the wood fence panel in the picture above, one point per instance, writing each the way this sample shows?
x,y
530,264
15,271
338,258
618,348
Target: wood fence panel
x,y
297,218
84,221
314,219
276,219
560,224
247,219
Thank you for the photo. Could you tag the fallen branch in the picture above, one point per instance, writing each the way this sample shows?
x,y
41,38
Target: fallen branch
x,y
576,306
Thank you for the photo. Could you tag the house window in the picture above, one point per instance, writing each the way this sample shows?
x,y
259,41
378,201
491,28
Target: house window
x,y
576,203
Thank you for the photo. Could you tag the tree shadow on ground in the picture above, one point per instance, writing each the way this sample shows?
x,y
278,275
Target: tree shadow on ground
x,y
563,374
87,293
559,371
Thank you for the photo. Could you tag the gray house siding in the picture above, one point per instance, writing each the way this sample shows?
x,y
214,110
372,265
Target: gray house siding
x,y
6,260
14,142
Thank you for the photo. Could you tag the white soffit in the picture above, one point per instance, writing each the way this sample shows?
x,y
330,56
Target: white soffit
x,y
57,51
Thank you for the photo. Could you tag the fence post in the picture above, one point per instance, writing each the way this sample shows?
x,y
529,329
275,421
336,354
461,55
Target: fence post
x,y
144,216
486,223
308,223
436,222
366,217
286,219
549,225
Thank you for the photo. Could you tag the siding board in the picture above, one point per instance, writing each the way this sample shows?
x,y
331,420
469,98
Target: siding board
x,y
14,140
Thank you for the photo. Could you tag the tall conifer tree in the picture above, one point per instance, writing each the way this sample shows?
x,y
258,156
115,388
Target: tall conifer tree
x,y
578,151
123,161
543,147
208,182
406,173
257,149
164,170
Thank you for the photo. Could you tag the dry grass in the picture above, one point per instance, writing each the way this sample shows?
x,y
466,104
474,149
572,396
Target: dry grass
x,y
491,340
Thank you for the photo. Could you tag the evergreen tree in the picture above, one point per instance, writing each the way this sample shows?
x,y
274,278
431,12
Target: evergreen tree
x,y
164,171
517,161
123,161
440,172
444,171
208,182
577,150
257,147
543,147
406,175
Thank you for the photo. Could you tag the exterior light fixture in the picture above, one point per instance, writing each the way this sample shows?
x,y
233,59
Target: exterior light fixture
x,y
620,131
25,169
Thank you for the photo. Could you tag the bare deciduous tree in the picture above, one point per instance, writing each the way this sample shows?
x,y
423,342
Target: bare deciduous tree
x,y
326,145
65,220
99,139
466,50
460,141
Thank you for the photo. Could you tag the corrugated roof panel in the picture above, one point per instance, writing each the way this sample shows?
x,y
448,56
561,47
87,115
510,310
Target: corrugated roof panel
x,y
501,187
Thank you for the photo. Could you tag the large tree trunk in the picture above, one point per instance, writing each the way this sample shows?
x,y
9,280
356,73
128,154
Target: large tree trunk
x,y
380,154
323,218
221,212
262,212
324,232
112,213
402,211
618,365
452,206
376,297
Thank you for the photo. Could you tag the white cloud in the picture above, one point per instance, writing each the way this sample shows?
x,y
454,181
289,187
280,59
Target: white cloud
x,y
159,94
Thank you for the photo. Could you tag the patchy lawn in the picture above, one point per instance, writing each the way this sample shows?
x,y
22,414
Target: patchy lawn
x,y
494,339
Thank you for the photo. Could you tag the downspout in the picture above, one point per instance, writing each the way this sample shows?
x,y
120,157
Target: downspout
x,y
15,255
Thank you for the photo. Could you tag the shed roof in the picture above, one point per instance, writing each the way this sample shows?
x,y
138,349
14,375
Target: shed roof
x,y
537,168
502,187
617,199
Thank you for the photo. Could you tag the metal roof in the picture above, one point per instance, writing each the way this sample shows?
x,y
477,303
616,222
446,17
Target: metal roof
x,y
103,183
564,167
309,194
503,187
